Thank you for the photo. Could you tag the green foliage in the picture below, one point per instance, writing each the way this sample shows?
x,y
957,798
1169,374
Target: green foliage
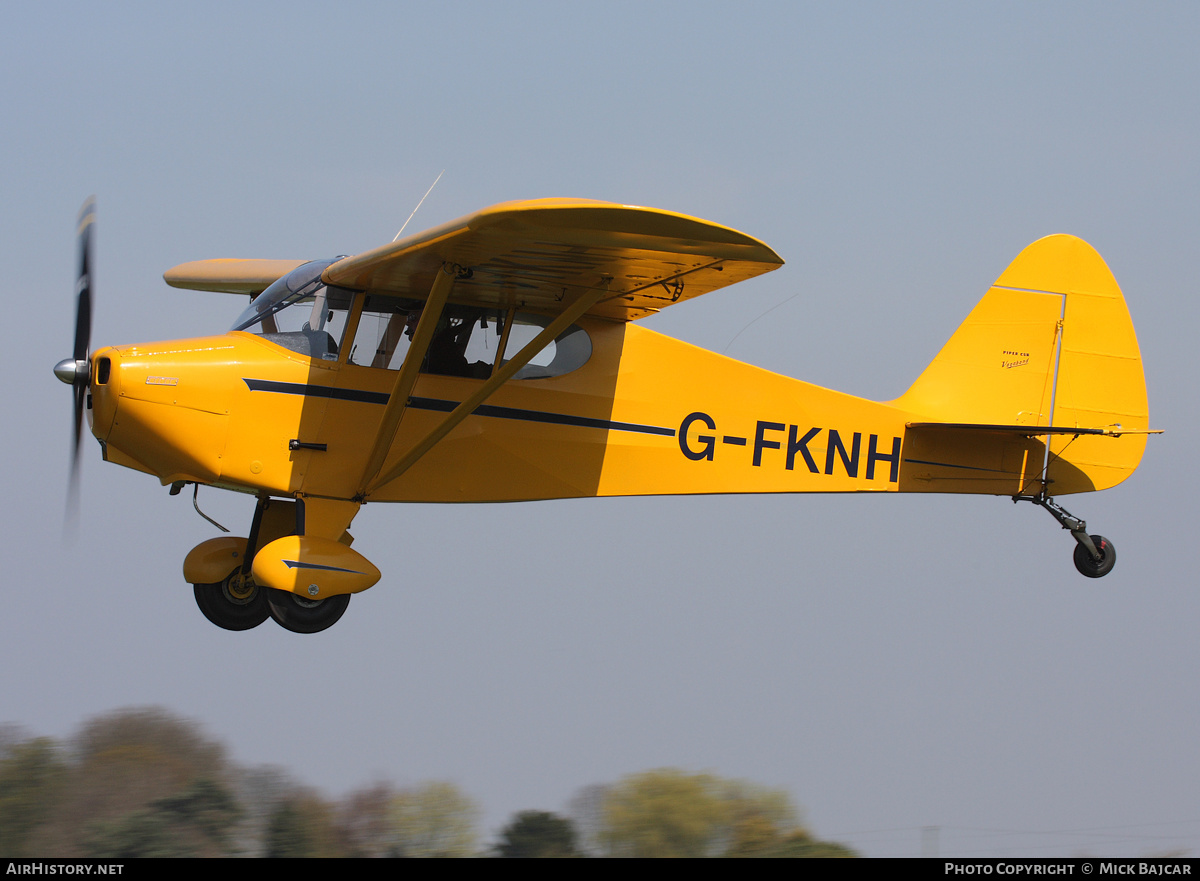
x,y
669,813
303,826
803,845
259,792
364,822
140,834
143,783
433,820
134,783
32,778
664,813
286,838
537,834
191,823
205,806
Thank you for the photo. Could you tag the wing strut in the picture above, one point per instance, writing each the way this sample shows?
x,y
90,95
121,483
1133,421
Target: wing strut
x,y
564,320
406,378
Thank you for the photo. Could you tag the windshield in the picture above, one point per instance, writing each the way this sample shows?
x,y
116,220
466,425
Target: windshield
x,y
299,312
301,284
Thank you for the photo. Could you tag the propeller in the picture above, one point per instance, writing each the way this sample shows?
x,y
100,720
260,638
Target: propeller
x,y
76,370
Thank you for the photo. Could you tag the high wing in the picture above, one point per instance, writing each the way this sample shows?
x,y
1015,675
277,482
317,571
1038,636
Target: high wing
x,y
545,254
230,275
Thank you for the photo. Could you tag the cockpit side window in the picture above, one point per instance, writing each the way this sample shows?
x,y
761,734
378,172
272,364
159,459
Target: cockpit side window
x,y
466,342
384,332
569,351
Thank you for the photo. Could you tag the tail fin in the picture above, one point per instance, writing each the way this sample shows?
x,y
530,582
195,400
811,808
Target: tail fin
x,y
1050,345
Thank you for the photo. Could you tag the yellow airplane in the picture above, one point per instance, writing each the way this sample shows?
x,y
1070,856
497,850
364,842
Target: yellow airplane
x,y
497,358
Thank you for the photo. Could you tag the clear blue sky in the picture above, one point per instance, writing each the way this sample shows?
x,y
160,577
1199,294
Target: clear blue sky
x,y
893,662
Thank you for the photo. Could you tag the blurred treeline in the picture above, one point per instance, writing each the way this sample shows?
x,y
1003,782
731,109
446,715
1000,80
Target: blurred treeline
x,y
145,783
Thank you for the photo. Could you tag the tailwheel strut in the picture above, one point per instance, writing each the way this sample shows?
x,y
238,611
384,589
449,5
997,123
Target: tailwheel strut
x,y
1094,555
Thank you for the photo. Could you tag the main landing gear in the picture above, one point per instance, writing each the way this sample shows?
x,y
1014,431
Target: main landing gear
x,y
1094,555
300,615
238,602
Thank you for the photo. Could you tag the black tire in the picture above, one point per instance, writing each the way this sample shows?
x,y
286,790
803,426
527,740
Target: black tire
x,y
231,606
299,615
1096,568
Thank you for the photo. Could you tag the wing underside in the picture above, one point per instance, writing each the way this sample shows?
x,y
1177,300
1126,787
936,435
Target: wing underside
x,y
547,253
541,255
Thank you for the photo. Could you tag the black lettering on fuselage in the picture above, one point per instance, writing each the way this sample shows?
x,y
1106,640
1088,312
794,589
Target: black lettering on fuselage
x,y
835,445
708,442
801,446
761,443
702,447
873,456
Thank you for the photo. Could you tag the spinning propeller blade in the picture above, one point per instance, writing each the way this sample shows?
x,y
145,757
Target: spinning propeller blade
x,y
76,370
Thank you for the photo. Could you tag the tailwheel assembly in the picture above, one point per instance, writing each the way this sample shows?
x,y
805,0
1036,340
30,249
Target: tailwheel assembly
x,y
1094,555
1094,567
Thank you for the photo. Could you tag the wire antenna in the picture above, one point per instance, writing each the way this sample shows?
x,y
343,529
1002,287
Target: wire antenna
x,y
423,198
756,320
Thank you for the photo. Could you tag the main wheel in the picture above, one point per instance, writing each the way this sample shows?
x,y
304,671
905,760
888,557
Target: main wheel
x,y
236,603
299,615
1096,568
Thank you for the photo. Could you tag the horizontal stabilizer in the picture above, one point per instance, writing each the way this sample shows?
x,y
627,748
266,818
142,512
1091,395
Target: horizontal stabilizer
x,y
1035,430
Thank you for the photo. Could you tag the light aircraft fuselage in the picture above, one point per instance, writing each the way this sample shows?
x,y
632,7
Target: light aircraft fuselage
x,y
497,358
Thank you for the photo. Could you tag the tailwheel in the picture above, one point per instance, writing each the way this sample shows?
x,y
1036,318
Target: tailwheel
x,y
1095,555
236,603
1094,567
300,615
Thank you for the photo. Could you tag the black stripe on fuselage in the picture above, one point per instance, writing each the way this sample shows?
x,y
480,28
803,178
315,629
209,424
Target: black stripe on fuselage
x,y
951,465
440,406
316,391
539,416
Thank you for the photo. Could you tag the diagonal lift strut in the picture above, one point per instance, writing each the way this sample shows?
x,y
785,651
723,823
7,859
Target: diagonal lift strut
x,y
564,320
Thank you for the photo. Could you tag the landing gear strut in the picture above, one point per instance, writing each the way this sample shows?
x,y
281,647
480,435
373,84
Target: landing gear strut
x,y
1094,555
